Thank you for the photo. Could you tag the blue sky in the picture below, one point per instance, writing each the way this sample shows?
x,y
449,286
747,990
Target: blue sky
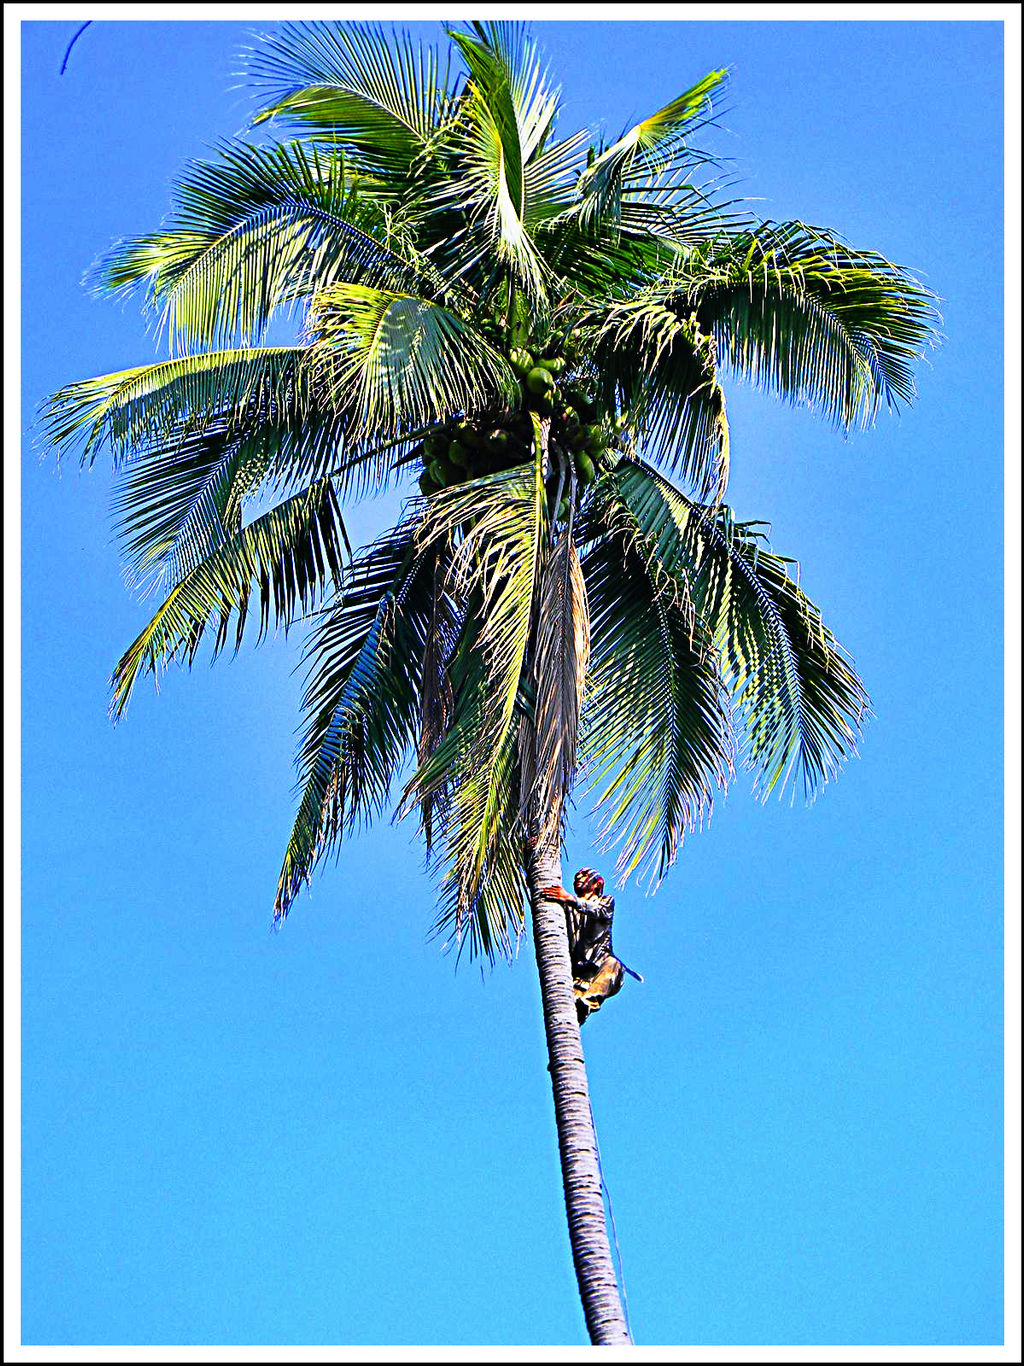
x,y
330,1136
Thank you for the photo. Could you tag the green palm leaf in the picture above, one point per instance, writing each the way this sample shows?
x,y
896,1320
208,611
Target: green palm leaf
x,y
504,55
646,146
141,408
471,774
361,700
380,94
259,230
677,215
549,183
658,368
481,889
806,317
184,491
399,362
798,701
179,499
504,117
656,741
454,697
289,555
478,830
175,508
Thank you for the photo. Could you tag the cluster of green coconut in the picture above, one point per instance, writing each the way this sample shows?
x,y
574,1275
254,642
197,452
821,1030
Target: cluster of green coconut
x,y
468,447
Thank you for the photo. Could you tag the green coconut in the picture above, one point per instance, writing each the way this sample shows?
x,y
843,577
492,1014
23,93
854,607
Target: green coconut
x,y
467,432
428,484
521,361
458,454
435,444
539,380
585,468
583,404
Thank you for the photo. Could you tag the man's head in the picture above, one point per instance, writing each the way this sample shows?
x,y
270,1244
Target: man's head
x,y
588,883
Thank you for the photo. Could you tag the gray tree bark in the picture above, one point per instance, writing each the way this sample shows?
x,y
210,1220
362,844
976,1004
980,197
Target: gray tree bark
x,y
577,1142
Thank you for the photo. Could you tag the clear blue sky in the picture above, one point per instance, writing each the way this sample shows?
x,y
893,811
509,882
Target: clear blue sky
x,y
328,1136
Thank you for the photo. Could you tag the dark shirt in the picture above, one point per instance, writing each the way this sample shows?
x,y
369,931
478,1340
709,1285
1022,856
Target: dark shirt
x,y
589,924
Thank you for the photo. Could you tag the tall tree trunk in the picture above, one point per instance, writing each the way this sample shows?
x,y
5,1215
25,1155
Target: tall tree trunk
x,y
577,1142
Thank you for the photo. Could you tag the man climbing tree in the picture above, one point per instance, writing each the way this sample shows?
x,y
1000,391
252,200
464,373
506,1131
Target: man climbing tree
x,y
596,972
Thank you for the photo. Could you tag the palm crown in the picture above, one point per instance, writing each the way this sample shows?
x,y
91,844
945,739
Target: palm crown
x,y
534,325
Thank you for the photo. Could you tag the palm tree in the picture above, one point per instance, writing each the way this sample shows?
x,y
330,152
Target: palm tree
x,y
533,325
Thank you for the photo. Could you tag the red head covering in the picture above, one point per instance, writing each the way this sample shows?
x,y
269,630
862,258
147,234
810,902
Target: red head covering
x,y
588,883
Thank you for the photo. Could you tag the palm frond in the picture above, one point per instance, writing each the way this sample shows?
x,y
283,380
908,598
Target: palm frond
x,y
174,509
798,701
186,492
806,317
504,116
397,362
656,741
549,182
659,369
255,231
473,768
502,519
381,95
464,804
135,410
474,809
454,672
534,101
438,693
592,265
482,913
645,146
193,437
677,215
361,700
481,882
290,555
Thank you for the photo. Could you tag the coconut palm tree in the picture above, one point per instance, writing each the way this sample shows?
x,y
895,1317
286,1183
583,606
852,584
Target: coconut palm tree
x,y
533,325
